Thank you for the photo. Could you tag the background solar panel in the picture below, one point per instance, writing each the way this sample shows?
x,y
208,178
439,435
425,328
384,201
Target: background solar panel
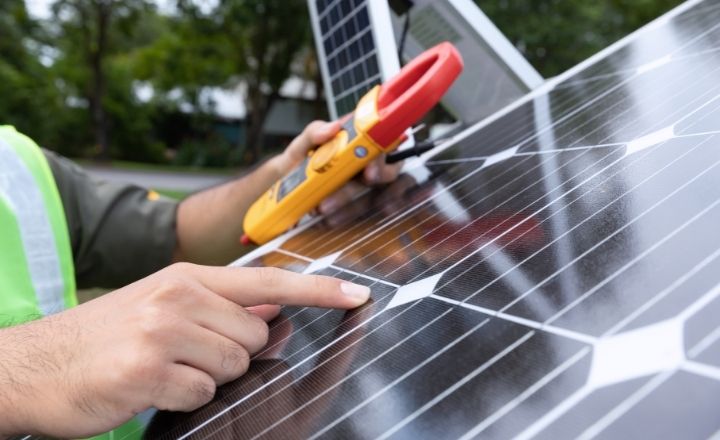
x,y
352,61
495,74
551,274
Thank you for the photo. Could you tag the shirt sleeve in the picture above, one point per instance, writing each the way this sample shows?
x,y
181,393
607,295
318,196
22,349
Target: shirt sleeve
x,y
119,232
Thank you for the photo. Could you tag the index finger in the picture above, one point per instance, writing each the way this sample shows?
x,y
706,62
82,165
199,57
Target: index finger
x,y
251,286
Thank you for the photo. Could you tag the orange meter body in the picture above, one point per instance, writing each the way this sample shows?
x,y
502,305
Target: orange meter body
x,y
376,127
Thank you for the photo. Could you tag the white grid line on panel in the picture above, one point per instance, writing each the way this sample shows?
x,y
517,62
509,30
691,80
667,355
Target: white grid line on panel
x,y
457,385
397,380
525,394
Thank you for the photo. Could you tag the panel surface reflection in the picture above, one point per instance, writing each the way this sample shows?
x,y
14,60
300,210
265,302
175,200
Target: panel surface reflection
x,y
563,264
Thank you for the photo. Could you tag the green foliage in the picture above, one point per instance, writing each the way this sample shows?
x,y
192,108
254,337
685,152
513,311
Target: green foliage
x,y
254,42
29,99
61,79
555,35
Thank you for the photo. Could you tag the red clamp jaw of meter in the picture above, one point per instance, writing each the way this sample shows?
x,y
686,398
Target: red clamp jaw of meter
x,y
405,98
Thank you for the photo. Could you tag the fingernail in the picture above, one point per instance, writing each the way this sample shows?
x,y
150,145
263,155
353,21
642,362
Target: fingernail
x,y
355,291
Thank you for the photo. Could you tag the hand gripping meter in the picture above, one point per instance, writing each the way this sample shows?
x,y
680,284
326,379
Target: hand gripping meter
x,y
377,126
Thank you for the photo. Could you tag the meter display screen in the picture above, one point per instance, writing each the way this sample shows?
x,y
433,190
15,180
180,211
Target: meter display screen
x,y
292,180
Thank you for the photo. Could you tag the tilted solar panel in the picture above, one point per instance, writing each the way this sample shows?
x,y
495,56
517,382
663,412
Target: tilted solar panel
x,y
347,40
553,273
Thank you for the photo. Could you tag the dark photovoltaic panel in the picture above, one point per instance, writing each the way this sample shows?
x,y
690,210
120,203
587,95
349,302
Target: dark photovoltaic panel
x,y
554,273
350,51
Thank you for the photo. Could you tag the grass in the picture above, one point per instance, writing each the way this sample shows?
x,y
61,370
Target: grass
x,y
173,194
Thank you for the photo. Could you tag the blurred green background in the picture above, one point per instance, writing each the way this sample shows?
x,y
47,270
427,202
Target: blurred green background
x,y
219,83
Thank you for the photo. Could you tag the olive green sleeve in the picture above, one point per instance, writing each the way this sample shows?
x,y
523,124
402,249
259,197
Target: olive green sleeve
x,y
118,232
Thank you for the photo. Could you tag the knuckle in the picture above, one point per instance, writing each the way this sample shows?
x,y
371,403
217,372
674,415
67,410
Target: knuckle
x,y
181,267
144,366
168,289
231,354
201,391
155,324
261,333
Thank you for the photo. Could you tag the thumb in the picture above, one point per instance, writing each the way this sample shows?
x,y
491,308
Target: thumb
x,y
321,132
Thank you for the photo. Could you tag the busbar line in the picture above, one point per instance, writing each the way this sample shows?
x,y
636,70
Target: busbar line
x,y
288,371
637,157
704,343
446,189
533,214
497,415
598,173
633,69
565,333
686,365
550,84
647,153
627,265
457,385
338,383
314,354
705,370
604,240
625,406
697,368
532,137
360,275
531,153
663,293
555,413
588,179
465,247
340,269
398,380
611,164
299,311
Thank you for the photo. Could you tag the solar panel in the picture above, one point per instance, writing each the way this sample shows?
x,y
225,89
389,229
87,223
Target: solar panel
x,y
495,74
347,36
550,273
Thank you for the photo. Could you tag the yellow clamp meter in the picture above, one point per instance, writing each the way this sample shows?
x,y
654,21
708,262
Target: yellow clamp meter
x,y
377,126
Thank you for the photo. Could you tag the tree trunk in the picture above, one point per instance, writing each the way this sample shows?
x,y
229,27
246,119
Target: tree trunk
x,y
97,94
258,105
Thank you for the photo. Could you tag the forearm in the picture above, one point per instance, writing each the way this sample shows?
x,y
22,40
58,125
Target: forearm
x,y
20,365
209,223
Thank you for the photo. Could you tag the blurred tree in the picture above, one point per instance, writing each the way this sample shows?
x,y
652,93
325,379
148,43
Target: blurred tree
x,y
73,81
266,38
89,32
256,43
29,99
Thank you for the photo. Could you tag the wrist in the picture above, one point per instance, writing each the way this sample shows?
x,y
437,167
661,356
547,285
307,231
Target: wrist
x,y
281,165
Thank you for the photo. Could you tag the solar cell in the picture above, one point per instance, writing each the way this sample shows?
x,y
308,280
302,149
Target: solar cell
x,y
551,272
352,61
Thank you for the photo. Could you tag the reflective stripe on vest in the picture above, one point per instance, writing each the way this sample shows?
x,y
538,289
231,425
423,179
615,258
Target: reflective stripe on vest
x,y
36,267
37,277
